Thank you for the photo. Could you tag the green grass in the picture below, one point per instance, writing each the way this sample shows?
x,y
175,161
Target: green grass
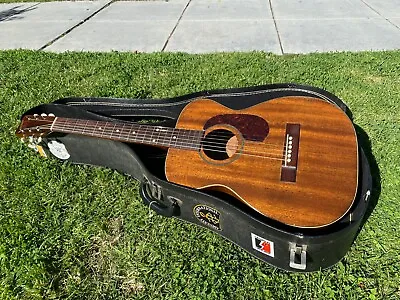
x,y
80,232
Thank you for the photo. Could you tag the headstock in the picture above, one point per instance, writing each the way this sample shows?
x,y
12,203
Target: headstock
x,y
35,125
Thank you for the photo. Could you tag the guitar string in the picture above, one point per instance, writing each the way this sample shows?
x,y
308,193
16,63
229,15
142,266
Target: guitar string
x,y
182,144
168,129
87,126
188,142
221,149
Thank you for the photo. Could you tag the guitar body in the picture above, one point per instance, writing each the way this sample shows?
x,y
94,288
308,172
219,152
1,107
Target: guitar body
x,y
292,159
286,158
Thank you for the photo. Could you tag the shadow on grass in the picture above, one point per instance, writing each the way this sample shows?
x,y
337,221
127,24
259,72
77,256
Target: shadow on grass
x,y
15,13
365,144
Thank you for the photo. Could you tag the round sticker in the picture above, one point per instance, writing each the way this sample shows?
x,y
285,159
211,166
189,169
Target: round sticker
x,y
58,149
208,215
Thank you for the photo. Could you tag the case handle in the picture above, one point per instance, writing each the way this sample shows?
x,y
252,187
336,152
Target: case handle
x,y
151,194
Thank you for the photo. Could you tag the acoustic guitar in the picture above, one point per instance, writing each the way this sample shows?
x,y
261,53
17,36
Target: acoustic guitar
x,y
292,159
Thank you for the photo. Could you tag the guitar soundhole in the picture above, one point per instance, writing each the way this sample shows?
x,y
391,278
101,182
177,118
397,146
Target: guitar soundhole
x,y
219,144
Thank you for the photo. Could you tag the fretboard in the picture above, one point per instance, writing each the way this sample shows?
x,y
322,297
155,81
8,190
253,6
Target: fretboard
x,y
131,133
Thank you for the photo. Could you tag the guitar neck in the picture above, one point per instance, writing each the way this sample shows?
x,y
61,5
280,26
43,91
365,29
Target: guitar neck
x,y
131,133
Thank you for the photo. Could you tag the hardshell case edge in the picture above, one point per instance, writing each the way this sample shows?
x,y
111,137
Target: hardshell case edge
x,y
285,247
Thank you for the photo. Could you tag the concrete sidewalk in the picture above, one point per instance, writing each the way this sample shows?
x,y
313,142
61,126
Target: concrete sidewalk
x,y
199,26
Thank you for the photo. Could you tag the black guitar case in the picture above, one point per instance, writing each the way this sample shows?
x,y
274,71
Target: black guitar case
x,y
285,247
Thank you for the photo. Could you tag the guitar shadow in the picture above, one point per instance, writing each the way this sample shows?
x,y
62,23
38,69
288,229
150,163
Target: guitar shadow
x,y
365,144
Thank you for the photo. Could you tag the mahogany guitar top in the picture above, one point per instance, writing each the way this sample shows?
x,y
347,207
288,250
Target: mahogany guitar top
x,y
293,159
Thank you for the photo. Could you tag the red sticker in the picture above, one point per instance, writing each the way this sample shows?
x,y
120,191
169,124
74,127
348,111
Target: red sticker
x,y
262,245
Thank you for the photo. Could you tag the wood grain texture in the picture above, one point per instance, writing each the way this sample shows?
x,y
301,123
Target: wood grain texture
x,y
327,174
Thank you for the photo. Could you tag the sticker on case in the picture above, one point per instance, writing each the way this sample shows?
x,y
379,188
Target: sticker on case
x,y
58,149
208,216
262,245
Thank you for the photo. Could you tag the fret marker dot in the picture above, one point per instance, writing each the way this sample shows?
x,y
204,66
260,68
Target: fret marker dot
x,y
154,140
117,130
174,137
99,128
134,132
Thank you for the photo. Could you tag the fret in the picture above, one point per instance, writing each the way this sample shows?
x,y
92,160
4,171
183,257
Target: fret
x,y
104,128
144,133
112,130
94,127
183,138
193,143
165,135
186,139
175,137
57,124
73,127
129,133
160,135
84,127
158,132
135,133
151,135
171,136
121,130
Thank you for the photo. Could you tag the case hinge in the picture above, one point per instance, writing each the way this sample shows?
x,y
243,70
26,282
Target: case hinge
x,y
297,256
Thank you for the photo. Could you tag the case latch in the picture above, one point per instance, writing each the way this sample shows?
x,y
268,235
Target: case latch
x,y
154,190
297,256
152,196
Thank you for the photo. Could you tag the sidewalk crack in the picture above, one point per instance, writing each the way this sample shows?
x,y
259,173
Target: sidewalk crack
x,y
276,27
76,26
176,25
379,14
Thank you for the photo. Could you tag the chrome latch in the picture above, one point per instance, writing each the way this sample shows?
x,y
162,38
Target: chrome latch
x,y
154,190
297,256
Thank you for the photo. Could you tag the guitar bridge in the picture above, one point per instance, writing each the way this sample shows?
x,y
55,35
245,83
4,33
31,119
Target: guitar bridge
x,y
290,153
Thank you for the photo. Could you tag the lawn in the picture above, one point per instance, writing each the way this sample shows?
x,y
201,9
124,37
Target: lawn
x,y
81,232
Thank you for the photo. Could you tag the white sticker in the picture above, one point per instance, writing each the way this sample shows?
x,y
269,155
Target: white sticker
x,y
58,149
262,245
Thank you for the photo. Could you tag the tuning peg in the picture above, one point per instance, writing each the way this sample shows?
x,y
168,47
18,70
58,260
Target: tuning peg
x,y
35,115
43,115
51,115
